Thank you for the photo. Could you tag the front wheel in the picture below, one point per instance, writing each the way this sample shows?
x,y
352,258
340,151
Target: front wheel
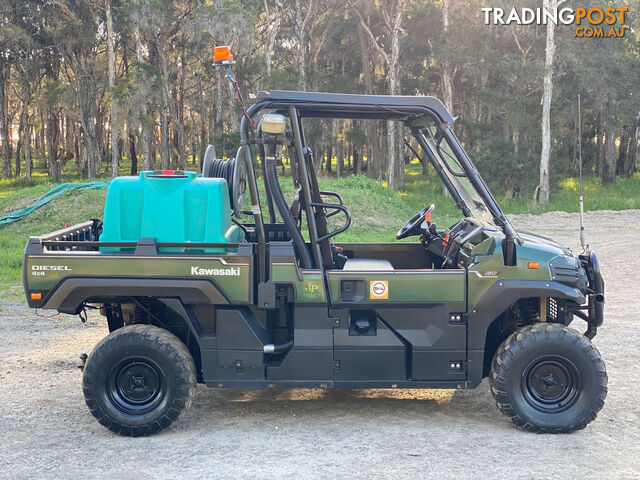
x,y
138,380
548,378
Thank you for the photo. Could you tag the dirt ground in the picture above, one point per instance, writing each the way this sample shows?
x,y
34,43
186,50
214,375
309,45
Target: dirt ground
x,y
47,431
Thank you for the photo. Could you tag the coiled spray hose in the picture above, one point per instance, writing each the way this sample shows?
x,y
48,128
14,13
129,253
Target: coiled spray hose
x,y
233,171
214,167
217,168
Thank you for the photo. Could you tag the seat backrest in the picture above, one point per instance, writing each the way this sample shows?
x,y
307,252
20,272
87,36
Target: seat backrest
x,y
367,265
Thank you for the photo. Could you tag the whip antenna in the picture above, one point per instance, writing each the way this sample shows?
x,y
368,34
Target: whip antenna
x,y
582,234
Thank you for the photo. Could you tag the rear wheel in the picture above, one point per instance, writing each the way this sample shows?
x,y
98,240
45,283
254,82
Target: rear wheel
x,y
138,380
548,378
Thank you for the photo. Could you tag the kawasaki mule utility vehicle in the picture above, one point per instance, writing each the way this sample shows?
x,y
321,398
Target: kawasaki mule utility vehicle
x,y
191,295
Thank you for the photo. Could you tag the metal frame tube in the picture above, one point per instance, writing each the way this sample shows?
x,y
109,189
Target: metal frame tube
x,y
306,188
253,191
460,203
271,179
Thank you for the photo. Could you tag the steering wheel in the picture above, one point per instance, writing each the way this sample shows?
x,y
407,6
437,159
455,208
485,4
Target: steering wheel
x,y
414,226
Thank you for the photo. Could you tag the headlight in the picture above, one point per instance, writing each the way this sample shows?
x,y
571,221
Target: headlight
x,y
569,271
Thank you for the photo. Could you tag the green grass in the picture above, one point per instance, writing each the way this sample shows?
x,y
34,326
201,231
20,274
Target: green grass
x,y
377,212
71,207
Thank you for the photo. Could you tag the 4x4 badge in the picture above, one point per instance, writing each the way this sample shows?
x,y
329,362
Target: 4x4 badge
x,y
489,274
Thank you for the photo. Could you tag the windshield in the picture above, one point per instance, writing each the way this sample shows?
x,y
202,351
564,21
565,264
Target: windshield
x,y
453,170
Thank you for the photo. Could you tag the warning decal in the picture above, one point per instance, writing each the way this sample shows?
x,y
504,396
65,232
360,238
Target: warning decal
x,y
379,289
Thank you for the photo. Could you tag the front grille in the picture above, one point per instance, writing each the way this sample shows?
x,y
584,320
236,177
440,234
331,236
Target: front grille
x,y
559,311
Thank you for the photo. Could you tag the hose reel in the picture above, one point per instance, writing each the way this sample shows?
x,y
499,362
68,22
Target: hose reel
x,y
233,171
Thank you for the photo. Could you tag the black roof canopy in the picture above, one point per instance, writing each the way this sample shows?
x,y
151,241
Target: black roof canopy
x,y
347,105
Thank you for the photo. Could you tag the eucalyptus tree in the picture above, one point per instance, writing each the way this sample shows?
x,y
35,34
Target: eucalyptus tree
x,y
111,62
74,30
392,13
29,46
7,56
543,189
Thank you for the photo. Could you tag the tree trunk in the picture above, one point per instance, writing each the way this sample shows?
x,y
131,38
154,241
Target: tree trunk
x,y
234,120
182,140
545,155
599,145
375,153
610,157
25,131
424,161
218,102
173,110
395,176
381,140
101,141
447,71
76,148
622,152
68,134
86,98
52,145
145,120
132,153
111,65
43,139
393,14
271,37
633,148
301,19
203,121
4,121
335,132
302,62
21,139
164,136
28,162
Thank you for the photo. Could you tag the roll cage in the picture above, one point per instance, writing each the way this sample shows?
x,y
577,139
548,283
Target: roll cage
x,y
416,112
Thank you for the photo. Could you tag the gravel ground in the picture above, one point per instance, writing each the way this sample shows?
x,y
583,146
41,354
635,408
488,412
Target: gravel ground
x,y
47,431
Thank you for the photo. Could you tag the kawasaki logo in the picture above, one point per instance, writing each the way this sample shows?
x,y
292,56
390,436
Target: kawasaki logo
x,y
208,272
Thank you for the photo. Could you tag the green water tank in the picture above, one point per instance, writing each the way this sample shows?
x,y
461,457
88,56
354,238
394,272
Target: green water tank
x,y
170,206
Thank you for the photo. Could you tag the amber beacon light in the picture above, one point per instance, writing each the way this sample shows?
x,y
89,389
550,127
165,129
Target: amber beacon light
x,y
222,55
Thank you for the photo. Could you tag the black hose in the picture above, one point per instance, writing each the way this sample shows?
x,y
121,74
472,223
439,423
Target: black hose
x,y
272,180
222,169
267,190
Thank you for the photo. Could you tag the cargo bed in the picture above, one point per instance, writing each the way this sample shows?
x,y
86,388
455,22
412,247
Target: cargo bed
x,y
62,266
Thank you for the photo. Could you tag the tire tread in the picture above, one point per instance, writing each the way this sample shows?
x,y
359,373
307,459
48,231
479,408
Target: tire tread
x,y
520,341
161,341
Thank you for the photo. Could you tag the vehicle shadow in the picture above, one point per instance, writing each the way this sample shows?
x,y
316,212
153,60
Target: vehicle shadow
x,y
213,404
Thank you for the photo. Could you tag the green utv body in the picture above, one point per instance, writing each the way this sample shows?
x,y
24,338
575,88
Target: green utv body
x,y
190,297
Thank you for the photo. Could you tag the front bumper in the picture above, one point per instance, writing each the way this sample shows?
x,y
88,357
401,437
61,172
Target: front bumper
x,y
595,294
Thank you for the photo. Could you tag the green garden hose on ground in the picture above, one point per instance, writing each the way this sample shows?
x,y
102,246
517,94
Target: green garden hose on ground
x,y
47,197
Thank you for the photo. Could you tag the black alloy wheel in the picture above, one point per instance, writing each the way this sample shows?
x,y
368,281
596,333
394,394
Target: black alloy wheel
x,y
548,378
138,380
